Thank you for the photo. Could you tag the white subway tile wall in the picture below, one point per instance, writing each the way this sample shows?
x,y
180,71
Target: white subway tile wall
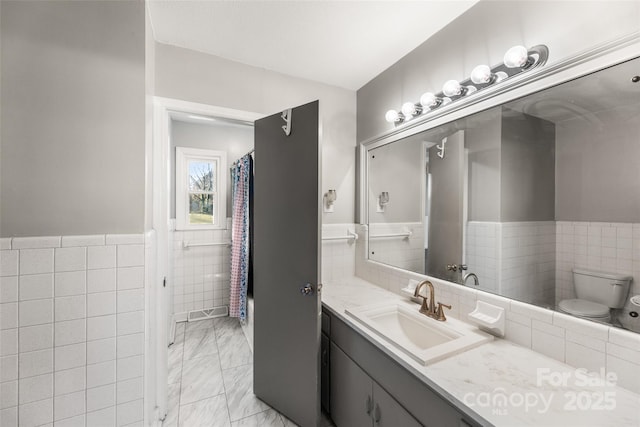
x,y
611,247
482,252
577,342
338,256
71,330
527,269
403,252
201,274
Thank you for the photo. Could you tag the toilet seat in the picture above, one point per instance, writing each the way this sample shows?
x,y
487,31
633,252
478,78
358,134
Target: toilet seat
x,y
584,308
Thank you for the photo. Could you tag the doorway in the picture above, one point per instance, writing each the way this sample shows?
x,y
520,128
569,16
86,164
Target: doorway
x,y
279,300
192,260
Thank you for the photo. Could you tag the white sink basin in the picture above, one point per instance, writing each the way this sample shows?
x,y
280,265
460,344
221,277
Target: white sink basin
x,y
424,339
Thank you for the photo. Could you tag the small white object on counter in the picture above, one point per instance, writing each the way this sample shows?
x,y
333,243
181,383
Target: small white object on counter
x,y
410,289
635,300
489,318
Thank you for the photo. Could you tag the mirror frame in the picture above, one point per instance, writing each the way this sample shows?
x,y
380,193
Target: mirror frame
x,y
586,62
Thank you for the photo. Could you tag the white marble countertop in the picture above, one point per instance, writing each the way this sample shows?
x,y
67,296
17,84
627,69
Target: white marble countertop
x,y
505,384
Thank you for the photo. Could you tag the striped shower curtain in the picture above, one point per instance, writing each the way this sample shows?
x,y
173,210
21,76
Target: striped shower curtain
x,y
241,175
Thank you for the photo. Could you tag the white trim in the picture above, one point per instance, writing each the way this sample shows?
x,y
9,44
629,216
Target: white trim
x,y
183,156
157,158
170,104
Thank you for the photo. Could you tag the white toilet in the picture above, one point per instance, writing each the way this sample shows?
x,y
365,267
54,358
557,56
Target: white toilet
x,y
597,293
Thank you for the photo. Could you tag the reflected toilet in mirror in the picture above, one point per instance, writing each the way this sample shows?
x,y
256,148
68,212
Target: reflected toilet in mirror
x,y
598,292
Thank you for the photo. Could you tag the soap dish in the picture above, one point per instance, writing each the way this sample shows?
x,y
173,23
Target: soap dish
x,y
489,318
410,289
635,300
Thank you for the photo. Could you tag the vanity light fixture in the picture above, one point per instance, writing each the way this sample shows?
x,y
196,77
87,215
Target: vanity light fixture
x,y
429,100
518,59
394,116
329,199
409,109
482,75
453,88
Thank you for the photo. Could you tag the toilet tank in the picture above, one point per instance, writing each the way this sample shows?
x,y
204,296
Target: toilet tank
x,y
605,288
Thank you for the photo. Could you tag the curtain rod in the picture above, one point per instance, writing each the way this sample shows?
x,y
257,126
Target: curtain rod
x,y
246,154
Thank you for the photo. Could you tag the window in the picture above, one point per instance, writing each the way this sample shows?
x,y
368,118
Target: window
x,y
200,188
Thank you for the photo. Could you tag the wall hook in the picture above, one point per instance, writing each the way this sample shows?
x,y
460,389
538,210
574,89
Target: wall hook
x,y
441,148
286,116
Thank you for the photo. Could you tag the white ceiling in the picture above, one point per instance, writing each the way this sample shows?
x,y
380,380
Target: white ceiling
x,y
341,43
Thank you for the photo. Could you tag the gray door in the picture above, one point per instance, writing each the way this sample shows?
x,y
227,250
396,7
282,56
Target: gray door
x,y
446,216
286,259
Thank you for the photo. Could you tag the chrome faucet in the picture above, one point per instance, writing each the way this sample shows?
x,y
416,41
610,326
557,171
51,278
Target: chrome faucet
x,y
430,309
476,281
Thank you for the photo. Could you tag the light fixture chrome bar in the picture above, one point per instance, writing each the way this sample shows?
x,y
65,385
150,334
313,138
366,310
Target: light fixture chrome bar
x,y
517,60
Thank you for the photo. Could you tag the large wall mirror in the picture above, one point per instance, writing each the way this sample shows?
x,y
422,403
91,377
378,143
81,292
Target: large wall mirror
x,y
513,199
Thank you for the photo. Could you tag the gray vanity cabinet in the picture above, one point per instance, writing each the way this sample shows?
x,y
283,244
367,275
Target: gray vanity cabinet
x,y
364,382
387,412
358,401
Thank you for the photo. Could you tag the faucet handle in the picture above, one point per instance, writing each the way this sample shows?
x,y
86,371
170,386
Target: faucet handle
x,y
424,308
440,312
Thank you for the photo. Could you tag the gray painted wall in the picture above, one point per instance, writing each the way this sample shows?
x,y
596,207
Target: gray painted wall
x,y
527,173
149,57
234,139
398,169
597,172
481,36
73,118
483,142
198,77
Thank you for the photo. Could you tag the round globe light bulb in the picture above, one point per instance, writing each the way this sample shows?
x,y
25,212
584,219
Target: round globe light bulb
x,y
428,100
452,88
408,109
481,74
516,57
392,116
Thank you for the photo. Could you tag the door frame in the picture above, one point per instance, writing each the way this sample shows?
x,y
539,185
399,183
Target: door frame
x,y
158,160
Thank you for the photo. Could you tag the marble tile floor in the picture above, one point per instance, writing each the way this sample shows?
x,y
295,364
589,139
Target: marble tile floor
x,y
211,379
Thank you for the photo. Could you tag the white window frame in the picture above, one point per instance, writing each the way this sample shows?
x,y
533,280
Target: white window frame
x,y
183,156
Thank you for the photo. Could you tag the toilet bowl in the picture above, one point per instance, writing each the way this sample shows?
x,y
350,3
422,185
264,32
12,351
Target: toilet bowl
x,y
598,292
586,309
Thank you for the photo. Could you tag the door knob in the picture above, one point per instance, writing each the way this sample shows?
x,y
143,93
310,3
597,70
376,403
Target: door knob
x,y
307,289
456,267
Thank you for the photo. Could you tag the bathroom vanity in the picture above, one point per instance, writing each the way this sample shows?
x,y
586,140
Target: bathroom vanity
x,y
370,381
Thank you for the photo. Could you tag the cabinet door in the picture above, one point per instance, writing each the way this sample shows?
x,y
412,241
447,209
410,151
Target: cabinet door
x,y
325,369
351,392
388,413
